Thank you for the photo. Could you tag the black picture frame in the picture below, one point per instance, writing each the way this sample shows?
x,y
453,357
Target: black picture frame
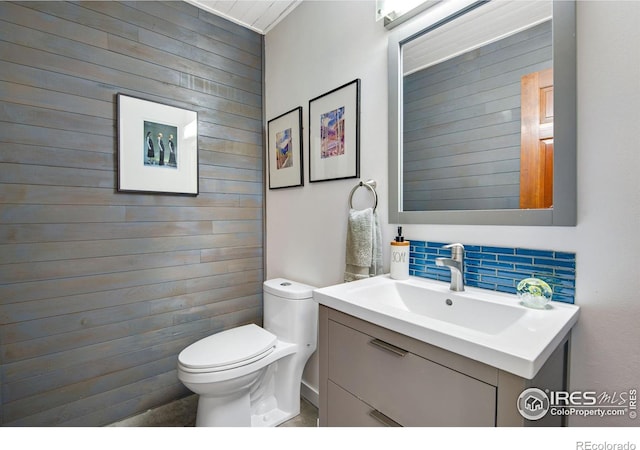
x,y
157,147
334,134
284,150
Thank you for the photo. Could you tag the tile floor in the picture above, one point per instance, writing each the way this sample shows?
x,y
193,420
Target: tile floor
x,y
308,416
182,413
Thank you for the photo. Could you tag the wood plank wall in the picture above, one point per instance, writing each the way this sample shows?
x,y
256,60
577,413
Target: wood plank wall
x,y
464,152
100,290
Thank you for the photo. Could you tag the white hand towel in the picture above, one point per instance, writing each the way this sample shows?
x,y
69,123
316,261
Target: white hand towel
x,y
364,245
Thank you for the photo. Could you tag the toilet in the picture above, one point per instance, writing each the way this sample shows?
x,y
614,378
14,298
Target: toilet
x,y
250,376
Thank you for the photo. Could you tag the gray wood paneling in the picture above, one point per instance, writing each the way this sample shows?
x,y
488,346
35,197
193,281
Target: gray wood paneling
x,y
100,290
461,125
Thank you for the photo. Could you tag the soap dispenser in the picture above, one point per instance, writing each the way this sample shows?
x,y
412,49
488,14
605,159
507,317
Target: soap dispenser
x,y
399,257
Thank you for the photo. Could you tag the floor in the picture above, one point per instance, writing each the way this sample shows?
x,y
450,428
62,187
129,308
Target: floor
x,y
308,416
182,413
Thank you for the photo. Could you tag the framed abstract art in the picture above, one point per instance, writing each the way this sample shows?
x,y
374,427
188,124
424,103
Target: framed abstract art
x,y
284,148
334,134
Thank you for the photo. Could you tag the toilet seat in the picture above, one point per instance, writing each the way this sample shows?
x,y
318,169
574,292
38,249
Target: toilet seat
x,y
228,349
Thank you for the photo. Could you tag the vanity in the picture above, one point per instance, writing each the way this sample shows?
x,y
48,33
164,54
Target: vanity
x,y
412,353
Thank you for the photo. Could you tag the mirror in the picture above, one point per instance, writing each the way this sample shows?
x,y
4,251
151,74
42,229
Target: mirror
x,y
482,115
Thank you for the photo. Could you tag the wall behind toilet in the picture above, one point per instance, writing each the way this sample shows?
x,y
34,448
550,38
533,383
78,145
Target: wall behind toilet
x,y
318,47
323,45
100,290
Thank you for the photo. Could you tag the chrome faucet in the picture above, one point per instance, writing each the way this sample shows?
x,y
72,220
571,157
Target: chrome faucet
x,y
456,265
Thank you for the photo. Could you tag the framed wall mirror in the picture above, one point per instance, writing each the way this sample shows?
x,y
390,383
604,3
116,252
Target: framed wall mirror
x,y
482,114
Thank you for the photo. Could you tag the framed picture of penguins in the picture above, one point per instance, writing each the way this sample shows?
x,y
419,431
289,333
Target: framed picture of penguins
x,y
157,147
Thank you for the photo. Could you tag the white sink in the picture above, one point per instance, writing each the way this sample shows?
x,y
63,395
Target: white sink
x,y
490,327
441,304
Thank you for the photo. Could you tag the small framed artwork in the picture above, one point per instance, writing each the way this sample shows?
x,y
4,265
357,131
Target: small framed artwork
x,y
334,134
157,147
285,150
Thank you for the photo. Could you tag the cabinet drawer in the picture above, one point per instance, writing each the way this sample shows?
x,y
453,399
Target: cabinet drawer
x,y
409,389
345,410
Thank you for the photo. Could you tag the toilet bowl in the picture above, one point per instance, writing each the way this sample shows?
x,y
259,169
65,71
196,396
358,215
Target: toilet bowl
x,y
251,375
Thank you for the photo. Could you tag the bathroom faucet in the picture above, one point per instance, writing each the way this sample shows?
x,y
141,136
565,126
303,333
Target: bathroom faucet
x,y
456,265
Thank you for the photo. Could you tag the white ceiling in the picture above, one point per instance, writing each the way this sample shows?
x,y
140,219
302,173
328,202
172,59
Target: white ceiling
x,y
258,15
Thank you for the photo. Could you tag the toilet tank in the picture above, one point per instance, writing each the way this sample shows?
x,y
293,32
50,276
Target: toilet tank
x,y
290,312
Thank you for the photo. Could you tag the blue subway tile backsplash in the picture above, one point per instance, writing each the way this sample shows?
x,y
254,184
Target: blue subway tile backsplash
x,y
499,268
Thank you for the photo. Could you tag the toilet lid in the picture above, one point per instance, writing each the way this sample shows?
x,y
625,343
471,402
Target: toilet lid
x,y
228,347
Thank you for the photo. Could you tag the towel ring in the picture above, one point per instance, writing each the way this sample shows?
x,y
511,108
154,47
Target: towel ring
x,y
371,185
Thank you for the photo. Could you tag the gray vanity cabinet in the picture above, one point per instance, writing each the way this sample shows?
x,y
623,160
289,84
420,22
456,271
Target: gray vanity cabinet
x,y
372,376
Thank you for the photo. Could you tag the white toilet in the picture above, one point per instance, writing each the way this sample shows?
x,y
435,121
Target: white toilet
x,y
250,376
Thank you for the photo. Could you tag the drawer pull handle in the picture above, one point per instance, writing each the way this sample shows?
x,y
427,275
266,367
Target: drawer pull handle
x,y
388,347
386,421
